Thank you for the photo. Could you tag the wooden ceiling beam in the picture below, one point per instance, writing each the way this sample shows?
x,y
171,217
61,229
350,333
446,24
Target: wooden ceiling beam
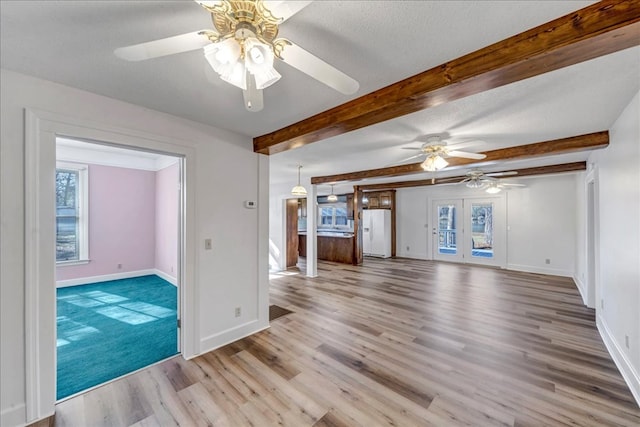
x,y
540,170
572,144
597,30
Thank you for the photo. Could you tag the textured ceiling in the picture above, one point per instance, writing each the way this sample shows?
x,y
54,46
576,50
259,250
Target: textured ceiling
x,y
376,42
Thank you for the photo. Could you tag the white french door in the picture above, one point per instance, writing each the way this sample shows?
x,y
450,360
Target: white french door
x,y
470,230
447,229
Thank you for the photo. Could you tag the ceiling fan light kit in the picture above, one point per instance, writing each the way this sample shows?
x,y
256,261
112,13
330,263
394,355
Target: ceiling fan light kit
x,y
434,162
493,189
243,46
435,150
476,184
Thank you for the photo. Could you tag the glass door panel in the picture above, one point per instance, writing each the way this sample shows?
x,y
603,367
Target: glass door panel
x,y
447,214
471,230
481,230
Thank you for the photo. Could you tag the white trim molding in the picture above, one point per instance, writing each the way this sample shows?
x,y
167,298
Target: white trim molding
x,y
630,375
165,276
540,270
106,278
41,130
13,416
236,333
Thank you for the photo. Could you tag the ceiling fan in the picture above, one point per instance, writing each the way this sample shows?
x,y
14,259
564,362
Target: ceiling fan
x,y
436,150
243,46
480,180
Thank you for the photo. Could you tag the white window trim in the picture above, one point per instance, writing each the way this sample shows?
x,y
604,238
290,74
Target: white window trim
x,y
83,218
333,224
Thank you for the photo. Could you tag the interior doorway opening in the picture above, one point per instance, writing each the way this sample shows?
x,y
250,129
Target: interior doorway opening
x,y
118,261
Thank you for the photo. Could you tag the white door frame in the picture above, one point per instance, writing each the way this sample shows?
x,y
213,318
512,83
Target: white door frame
x,y
435,230
464,217
592,236
41,129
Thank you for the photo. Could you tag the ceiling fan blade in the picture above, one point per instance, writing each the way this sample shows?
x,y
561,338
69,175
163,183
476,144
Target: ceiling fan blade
x,y
465,144
315,67
208,3
507,184
285,9
508,173
466,155
253,97
408,158
163,47
411,148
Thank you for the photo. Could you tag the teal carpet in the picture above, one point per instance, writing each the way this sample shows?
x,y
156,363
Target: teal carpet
x,y
109,329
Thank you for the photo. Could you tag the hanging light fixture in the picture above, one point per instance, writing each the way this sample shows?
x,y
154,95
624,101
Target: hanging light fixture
x,y
476,183
299,190
234,57
433,163
332,197
493,188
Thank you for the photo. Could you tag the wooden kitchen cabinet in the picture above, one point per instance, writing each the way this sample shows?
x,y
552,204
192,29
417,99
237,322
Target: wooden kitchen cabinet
x,y
349,206
378,200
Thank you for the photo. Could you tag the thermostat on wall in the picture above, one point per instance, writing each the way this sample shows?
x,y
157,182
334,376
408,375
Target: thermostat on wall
x,y
250,204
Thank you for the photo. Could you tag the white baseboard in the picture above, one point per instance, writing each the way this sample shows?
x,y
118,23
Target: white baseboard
x,y
13,417
581,288
540,270
166,277
230,335
411,255
624,365
104,278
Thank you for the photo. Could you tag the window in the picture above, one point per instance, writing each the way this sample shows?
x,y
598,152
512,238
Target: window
x,y
71,213
333,216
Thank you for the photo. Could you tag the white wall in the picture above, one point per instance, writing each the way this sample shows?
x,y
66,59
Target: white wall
x,y
226,173
617,170
541,219
540,216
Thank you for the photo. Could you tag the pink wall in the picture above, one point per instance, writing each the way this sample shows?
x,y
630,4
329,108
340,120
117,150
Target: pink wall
x,y
122,217
166,226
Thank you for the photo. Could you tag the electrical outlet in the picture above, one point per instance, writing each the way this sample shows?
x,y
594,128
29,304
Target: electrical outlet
x,y
119,266
207,244
601,303
626,340
547,261
238,312
407,248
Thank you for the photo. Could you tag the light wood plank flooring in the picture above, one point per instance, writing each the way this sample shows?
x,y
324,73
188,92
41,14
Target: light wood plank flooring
x,y
396,342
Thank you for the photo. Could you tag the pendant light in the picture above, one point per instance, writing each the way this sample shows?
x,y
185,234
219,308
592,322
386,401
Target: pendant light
x,y
332,197
299,190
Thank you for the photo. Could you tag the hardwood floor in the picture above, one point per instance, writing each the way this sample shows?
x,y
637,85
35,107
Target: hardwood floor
x,y
397,342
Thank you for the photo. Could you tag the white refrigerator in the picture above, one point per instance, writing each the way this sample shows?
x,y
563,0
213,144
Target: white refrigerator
x,y
376,232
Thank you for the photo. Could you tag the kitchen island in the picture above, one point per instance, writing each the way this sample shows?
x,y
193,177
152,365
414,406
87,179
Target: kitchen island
x,y
333,246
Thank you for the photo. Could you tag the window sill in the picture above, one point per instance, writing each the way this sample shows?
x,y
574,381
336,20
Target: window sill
x,y
74,262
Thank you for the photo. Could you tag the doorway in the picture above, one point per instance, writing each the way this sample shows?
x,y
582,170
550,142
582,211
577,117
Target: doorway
x,y
292,244
469,230
118,228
